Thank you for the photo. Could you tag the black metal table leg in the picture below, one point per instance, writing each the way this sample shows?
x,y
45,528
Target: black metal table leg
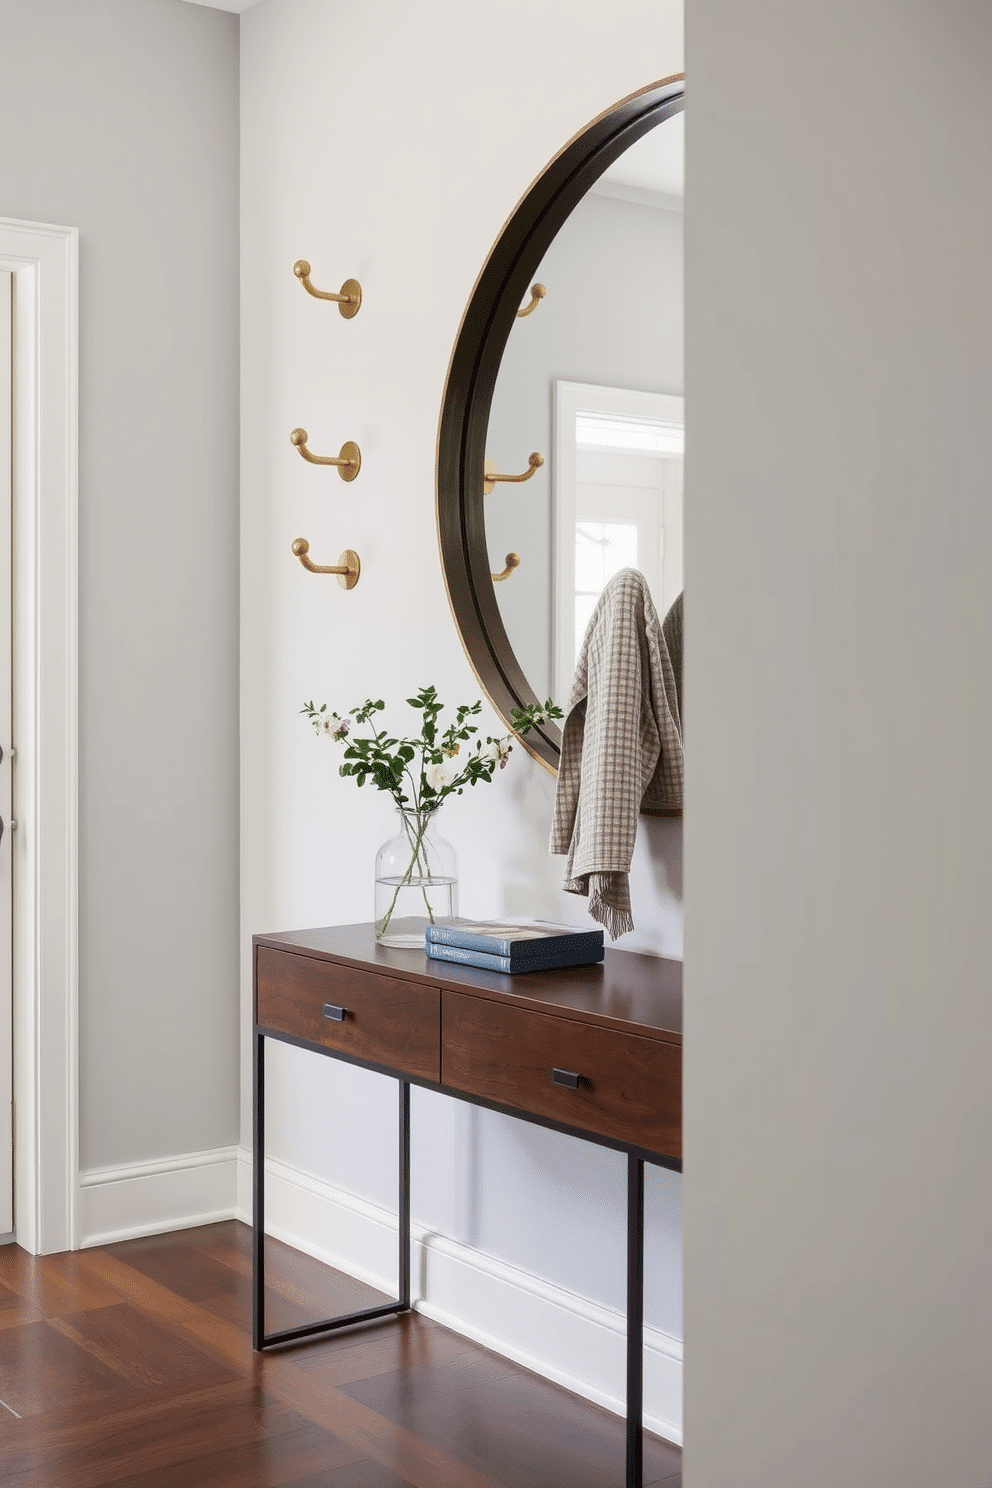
x,y
259,1338
404,1198
258,1198
635,1320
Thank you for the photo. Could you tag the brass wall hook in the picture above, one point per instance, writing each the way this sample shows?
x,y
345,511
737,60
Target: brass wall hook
x,y
348,568
491,476
512,562
349,300
349,461
537,293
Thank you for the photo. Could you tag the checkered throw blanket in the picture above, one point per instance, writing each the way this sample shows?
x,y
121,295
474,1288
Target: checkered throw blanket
x,y
621,747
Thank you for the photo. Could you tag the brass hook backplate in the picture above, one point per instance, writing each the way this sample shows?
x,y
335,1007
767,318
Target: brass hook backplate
x,y
348,567
512,562
349,301
537,293
492,475
348,461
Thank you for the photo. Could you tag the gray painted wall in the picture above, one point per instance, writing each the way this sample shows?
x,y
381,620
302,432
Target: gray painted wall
x,y
838,940
120,117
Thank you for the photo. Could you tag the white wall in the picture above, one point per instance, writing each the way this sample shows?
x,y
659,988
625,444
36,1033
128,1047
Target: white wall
x,y
119,117
838,1105
399,166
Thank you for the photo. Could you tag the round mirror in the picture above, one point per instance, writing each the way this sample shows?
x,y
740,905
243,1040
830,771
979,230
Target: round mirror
x,y
561,435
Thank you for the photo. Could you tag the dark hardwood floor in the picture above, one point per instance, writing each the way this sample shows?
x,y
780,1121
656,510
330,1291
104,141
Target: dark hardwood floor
x,y
132,1365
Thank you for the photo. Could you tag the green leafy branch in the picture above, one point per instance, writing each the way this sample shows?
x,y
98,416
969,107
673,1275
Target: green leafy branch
x,y
418,771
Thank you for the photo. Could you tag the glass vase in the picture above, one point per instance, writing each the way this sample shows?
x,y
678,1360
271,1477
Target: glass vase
x,y
416,881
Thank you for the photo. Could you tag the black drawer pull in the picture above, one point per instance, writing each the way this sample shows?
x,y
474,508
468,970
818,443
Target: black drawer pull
x,y
566,1078
337,1013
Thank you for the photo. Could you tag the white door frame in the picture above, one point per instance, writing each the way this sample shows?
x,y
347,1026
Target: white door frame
x,y
6,768
44,261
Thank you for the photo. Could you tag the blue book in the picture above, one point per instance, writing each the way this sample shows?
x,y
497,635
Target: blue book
x,y
518,940
489,962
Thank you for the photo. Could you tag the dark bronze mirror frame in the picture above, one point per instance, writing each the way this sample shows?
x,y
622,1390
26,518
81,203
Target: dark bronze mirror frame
x,y
500,289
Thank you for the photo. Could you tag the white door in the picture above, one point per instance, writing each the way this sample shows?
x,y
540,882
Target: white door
x,y
6,857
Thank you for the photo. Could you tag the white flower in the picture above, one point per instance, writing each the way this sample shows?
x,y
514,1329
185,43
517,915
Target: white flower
x,y
334,727
438,776
498,750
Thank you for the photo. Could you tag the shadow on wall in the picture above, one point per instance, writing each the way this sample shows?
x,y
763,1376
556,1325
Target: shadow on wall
x,y
532,882
662,838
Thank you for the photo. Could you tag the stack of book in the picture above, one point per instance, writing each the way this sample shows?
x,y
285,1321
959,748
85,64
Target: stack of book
x,y
513,945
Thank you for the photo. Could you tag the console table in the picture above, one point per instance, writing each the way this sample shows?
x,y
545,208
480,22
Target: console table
x,y
594,1051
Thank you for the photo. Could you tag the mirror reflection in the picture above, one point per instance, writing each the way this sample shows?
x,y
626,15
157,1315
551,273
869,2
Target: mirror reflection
x,y
592,381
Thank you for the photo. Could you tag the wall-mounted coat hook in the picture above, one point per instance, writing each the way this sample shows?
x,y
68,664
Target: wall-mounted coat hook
x,y
491,477
512,562
348,568
349,300
349,461
537,293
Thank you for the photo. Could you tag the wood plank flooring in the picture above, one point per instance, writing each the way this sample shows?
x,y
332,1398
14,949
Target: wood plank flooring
x,y
132,1365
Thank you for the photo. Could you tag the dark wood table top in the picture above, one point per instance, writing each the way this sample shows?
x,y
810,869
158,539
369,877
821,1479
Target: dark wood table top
x,y
631,992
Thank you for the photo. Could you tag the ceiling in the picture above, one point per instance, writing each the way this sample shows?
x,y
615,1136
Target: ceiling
x,y
237,6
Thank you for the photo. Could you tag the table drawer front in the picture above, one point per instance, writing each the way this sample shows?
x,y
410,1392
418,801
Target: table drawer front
x,y
381,1019
628,1087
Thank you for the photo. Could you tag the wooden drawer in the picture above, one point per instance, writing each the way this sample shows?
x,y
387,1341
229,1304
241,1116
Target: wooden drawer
x,y
629,1087
386,1021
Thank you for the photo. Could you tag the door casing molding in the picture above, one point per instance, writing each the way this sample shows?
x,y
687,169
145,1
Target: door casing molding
x,y
44,260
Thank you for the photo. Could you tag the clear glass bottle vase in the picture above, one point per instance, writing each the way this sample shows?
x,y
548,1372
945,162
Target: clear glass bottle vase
x,y
416,881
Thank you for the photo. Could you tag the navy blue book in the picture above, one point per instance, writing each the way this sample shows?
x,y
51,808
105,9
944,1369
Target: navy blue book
x,y
489,962
520,941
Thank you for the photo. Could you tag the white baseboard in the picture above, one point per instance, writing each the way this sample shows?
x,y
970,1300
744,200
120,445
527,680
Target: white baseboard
x,y
175,1193
566,1338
